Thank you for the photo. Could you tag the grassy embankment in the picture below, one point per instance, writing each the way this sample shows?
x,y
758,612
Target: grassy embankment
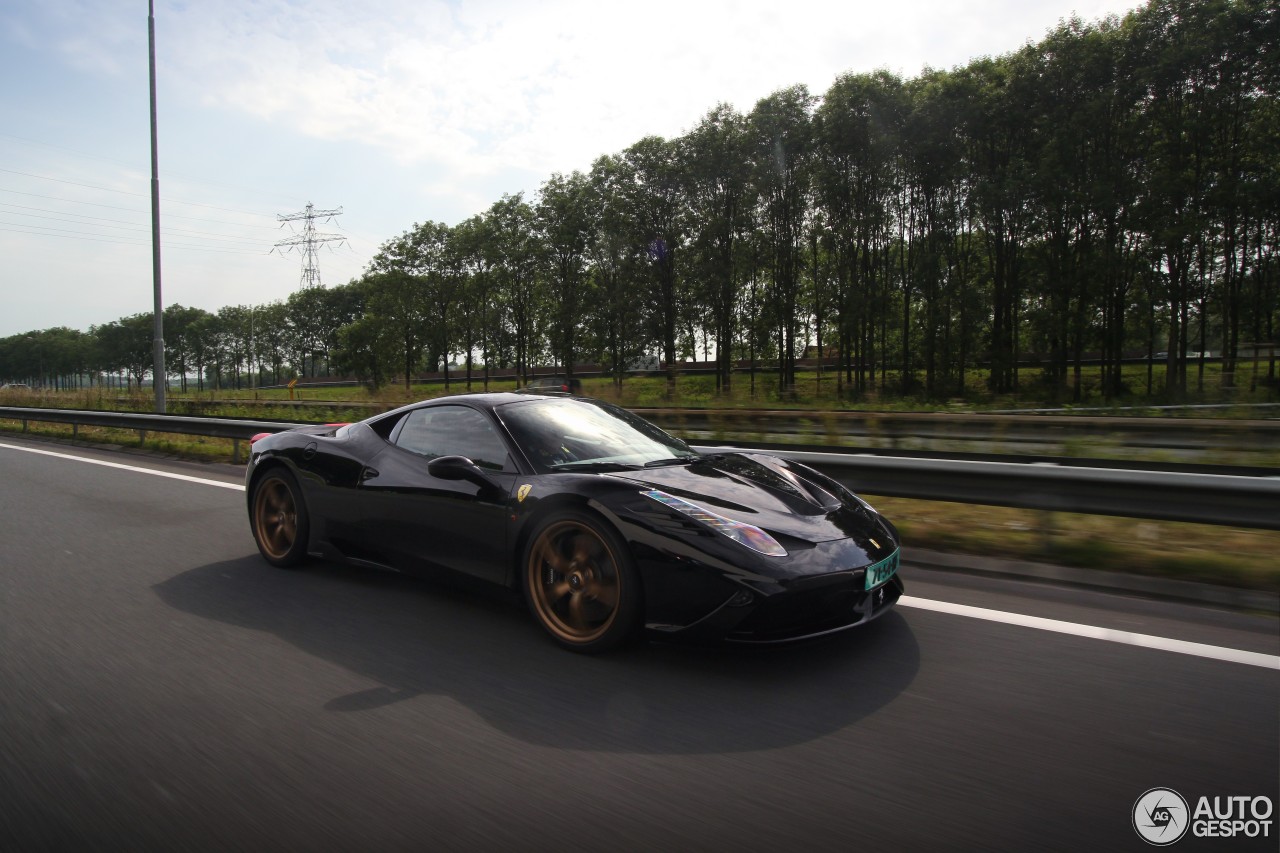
x,y
814,391
1241,557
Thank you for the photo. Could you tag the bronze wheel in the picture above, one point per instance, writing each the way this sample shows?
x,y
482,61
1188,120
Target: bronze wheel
x,y
279,519
580,583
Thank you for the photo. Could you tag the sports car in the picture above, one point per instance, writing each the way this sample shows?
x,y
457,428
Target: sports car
x,y
608,526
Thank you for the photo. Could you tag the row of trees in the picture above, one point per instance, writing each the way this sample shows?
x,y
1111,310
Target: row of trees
x,y
1108,191
238,346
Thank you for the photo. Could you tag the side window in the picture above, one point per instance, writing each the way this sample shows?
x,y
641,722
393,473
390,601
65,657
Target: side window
x,y
453,431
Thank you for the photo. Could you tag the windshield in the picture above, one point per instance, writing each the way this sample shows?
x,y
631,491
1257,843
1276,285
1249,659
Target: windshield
x,y
568,434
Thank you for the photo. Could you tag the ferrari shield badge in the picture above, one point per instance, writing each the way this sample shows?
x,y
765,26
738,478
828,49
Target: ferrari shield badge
x,y
523,492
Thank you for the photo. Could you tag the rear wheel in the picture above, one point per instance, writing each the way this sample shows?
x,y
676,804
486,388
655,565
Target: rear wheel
x,y
581,583
279,519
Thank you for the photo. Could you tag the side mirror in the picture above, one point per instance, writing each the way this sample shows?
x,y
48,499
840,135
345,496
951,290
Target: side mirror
x,y
459,468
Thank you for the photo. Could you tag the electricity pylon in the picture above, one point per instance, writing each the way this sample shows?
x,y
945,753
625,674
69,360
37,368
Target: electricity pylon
x,y
309,240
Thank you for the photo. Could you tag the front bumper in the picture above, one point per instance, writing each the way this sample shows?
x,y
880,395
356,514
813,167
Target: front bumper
x,y
802,609
836,605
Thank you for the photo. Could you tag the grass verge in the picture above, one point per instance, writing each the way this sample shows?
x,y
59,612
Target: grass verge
x,y
813,390
1230,556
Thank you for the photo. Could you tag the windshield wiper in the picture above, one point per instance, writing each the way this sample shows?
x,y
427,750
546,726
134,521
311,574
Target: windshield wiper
x,y
707,457
673,460
590,465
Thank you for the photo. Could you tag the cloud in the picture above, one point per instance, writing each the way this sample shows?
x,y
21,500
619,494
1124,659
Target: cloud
x,y
483,86
98,43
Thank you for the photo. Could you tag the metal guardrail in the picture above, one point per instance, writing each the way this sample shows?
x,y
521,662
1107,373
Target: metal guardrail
x,y
236,430
1254,442
906,428
1231,500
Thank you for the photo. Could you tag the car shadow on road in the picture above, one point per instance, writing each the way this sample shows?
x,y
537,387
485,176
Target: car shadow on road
x,y
415,637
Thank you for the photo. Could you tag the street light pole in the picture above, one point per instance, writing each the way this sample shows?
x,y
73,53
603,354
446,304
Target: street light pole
x,y
159,380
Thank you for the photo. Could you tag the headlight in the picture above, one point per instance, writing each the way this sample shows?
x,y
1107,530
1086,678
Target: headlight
x,y
742,533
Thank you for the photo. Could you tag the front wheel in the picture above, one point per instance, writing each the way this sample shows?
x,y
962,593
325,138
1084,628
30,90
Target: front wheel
x,y
580,583
279,519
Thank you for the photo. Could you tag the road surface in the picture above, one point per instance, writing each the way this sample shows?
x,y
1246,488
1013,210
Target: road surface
x,y
161,687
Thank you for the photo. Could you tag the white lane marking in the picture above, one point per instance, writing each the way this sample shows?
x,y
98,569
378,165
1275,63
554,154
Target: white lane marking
x,y
1093,632
152,471
1147,641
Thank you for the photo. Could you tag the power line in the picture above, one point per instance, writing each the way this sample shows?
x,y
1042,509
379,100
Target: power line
x,y
65,234
134,209
84,154
186,175
119,242
64,212
73,183
126,192
127,225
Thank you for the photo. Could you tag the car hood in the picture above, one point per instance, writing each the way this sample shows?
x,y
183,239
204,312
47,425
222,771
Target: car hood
x,y
767,491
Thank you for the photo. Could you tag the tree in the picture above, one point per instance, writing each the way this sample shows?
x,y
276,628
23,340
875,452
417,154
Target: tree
x,y
179,325
307,328
652,186
719,197
235,338
472,260
857,133
782,150
520,288
125,344
270,339
617,267
564,228
396,303
369,348
995,128
415,292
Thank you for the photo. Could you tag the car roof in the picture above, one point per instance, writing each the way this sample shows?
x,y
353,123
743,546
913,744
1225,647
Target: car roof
x,y
482,400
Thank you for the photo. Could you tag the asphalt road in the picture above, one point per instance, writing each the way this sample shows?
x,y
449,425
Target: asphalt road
x,y
162,688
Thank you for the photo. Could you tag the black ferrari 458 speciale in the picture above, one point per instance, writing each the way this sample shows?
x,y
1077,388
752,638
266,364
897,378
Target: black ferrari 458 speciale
x,y
608,526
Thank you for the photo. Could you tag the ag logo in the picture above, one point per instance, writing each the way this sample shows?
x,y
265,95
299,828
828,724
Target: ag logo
x,y
1160,816
523,492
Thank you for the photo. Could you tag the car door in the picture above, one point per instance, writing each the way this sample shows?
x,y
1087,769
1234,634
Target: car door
x,y
424,523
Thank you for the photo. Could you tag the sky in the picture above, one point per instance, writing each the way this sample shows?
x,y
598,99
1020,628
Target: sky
x,y
394,111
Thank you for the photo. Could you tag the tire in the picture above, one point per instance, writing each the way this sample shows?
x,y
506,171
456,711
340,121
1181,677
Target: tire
x,y
278,517
580,582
